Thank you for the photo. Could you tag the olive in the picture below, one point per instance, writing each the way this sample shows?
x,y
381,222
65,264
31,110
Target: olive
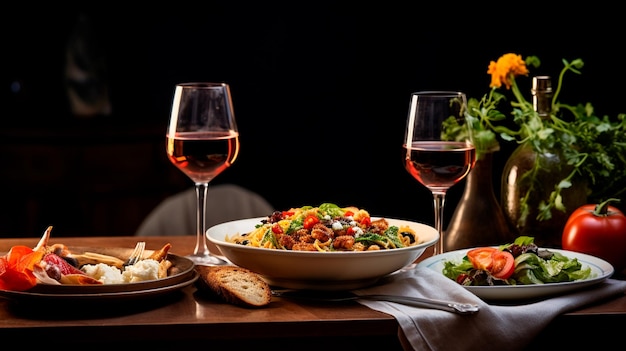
x,y
53,272
410,236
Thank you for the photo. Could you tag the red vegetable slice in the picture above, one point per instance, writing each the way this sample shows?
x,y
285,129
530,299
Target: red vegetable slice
x,y
501,264
310,221
17,268
481,257
277,229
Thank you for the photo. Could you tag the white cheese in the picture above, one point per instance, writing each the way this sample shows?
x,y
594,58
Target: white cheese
x,y
143,270
104,273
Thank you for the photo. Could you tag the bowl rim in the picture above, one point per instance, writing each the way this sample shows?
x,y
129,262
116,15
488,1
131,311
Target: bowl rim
x,y
423,245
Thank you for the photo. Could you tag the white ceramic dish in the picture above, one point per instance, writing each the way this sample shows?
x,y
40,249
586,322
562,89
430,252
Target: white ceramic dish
x,y
600,270
318,270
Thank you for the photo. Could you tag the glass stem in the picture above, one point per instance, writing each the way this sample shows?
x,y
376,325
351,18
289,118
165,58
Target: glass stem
x,y
439,201
201,245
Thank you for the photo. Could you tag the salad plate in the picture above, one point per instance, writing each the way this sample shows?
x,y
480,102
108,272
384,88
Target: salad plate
x,y
600,271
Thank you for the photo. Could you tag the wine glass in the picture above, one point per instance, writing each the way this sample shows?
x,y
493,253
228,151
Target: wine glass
x,y
202,140
430,158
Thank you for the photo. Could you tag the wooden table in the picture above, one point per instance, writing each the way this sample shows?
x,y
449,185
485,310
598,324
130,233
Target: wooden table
x,y
187,317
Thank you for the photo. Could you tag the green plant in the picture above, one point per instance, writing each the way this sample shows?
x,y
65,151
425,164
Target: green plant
x,y
594,146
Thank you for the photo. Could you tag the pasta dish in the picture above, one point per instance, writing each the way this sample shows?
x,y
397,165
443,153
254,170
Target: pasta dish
x,y
326,228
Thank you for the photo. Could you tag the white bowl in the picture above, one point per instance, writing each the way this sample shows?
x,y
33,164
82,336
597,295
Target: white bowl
x,y
319,270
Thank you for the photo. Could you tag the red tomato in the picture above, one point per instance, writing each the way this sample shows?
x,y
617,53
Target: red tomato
x,y
598,230
348,214
500,264
481,257
277,229
310,221
366,221
503,264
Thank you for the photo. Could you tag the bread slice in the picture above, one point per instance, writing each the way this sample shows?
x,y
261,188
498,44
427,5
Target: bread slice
x,y
235,285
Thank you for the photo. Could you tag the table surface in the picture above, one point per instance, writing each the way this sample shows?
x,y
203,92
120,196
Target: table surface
x,y
187,316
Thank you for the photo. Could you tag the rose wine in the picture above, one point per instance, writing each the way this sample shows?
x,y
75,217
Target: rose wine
x,y
203,155
438,165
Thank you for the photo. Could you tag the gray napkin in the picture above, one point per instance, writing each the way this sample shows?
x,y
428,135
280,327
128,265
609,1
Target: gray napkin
x,y
494,327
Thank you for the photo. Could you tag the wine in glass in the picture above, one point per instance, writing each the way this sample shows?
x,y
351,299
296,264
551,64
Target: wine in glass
x,y
431,159
202,140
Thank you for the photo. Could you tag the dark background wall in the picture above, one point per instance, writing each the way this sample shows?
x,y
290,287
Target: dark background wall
x,y
320,93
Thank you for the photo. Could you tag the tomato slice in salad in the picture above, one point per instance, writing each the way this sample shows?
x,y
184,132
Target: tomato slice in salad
x,y
481,257
501,264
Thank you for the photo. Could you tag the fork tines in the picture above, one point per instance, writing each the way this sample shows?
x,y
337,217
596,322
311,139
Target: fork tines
x,y
137,254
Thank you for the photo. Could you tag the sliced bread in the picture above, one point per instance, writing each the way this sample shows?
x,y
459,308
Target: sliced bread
x,y
235,285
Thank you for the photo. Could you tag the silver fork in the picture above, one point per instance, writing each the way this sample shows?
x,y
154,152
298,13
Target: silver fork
x,y
137,254
450,306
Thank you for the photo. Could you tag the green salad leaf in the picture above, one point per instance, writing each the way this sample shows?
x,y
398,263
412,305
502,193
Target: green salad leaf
x,y
392,234
269,236
532,266
388,240
331,209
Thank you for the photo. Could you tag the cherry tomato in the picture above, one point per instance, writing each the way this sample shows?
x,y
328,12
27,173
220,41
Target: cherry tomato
x,y
501,264
310,221
598,230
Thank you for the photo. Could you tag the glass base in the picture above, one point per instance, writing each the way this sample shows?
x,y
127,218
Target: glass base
x,y
208,260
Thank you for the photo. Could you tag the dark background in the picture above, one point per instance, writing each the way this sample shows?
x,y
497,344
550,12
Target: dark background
x,y
320,92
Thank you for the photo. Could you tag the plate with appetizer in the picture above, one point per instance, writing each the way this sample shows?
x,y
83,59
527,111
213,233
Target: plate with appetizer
x,y
325,247
58,271
520,270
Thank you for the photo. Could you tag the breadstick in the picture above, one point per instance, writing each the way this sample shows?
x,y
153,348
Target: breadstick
x,y
161,254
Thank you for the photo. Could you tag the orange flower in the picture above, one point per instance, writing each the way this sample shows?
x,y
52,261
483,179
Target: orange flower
x,y
505,69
